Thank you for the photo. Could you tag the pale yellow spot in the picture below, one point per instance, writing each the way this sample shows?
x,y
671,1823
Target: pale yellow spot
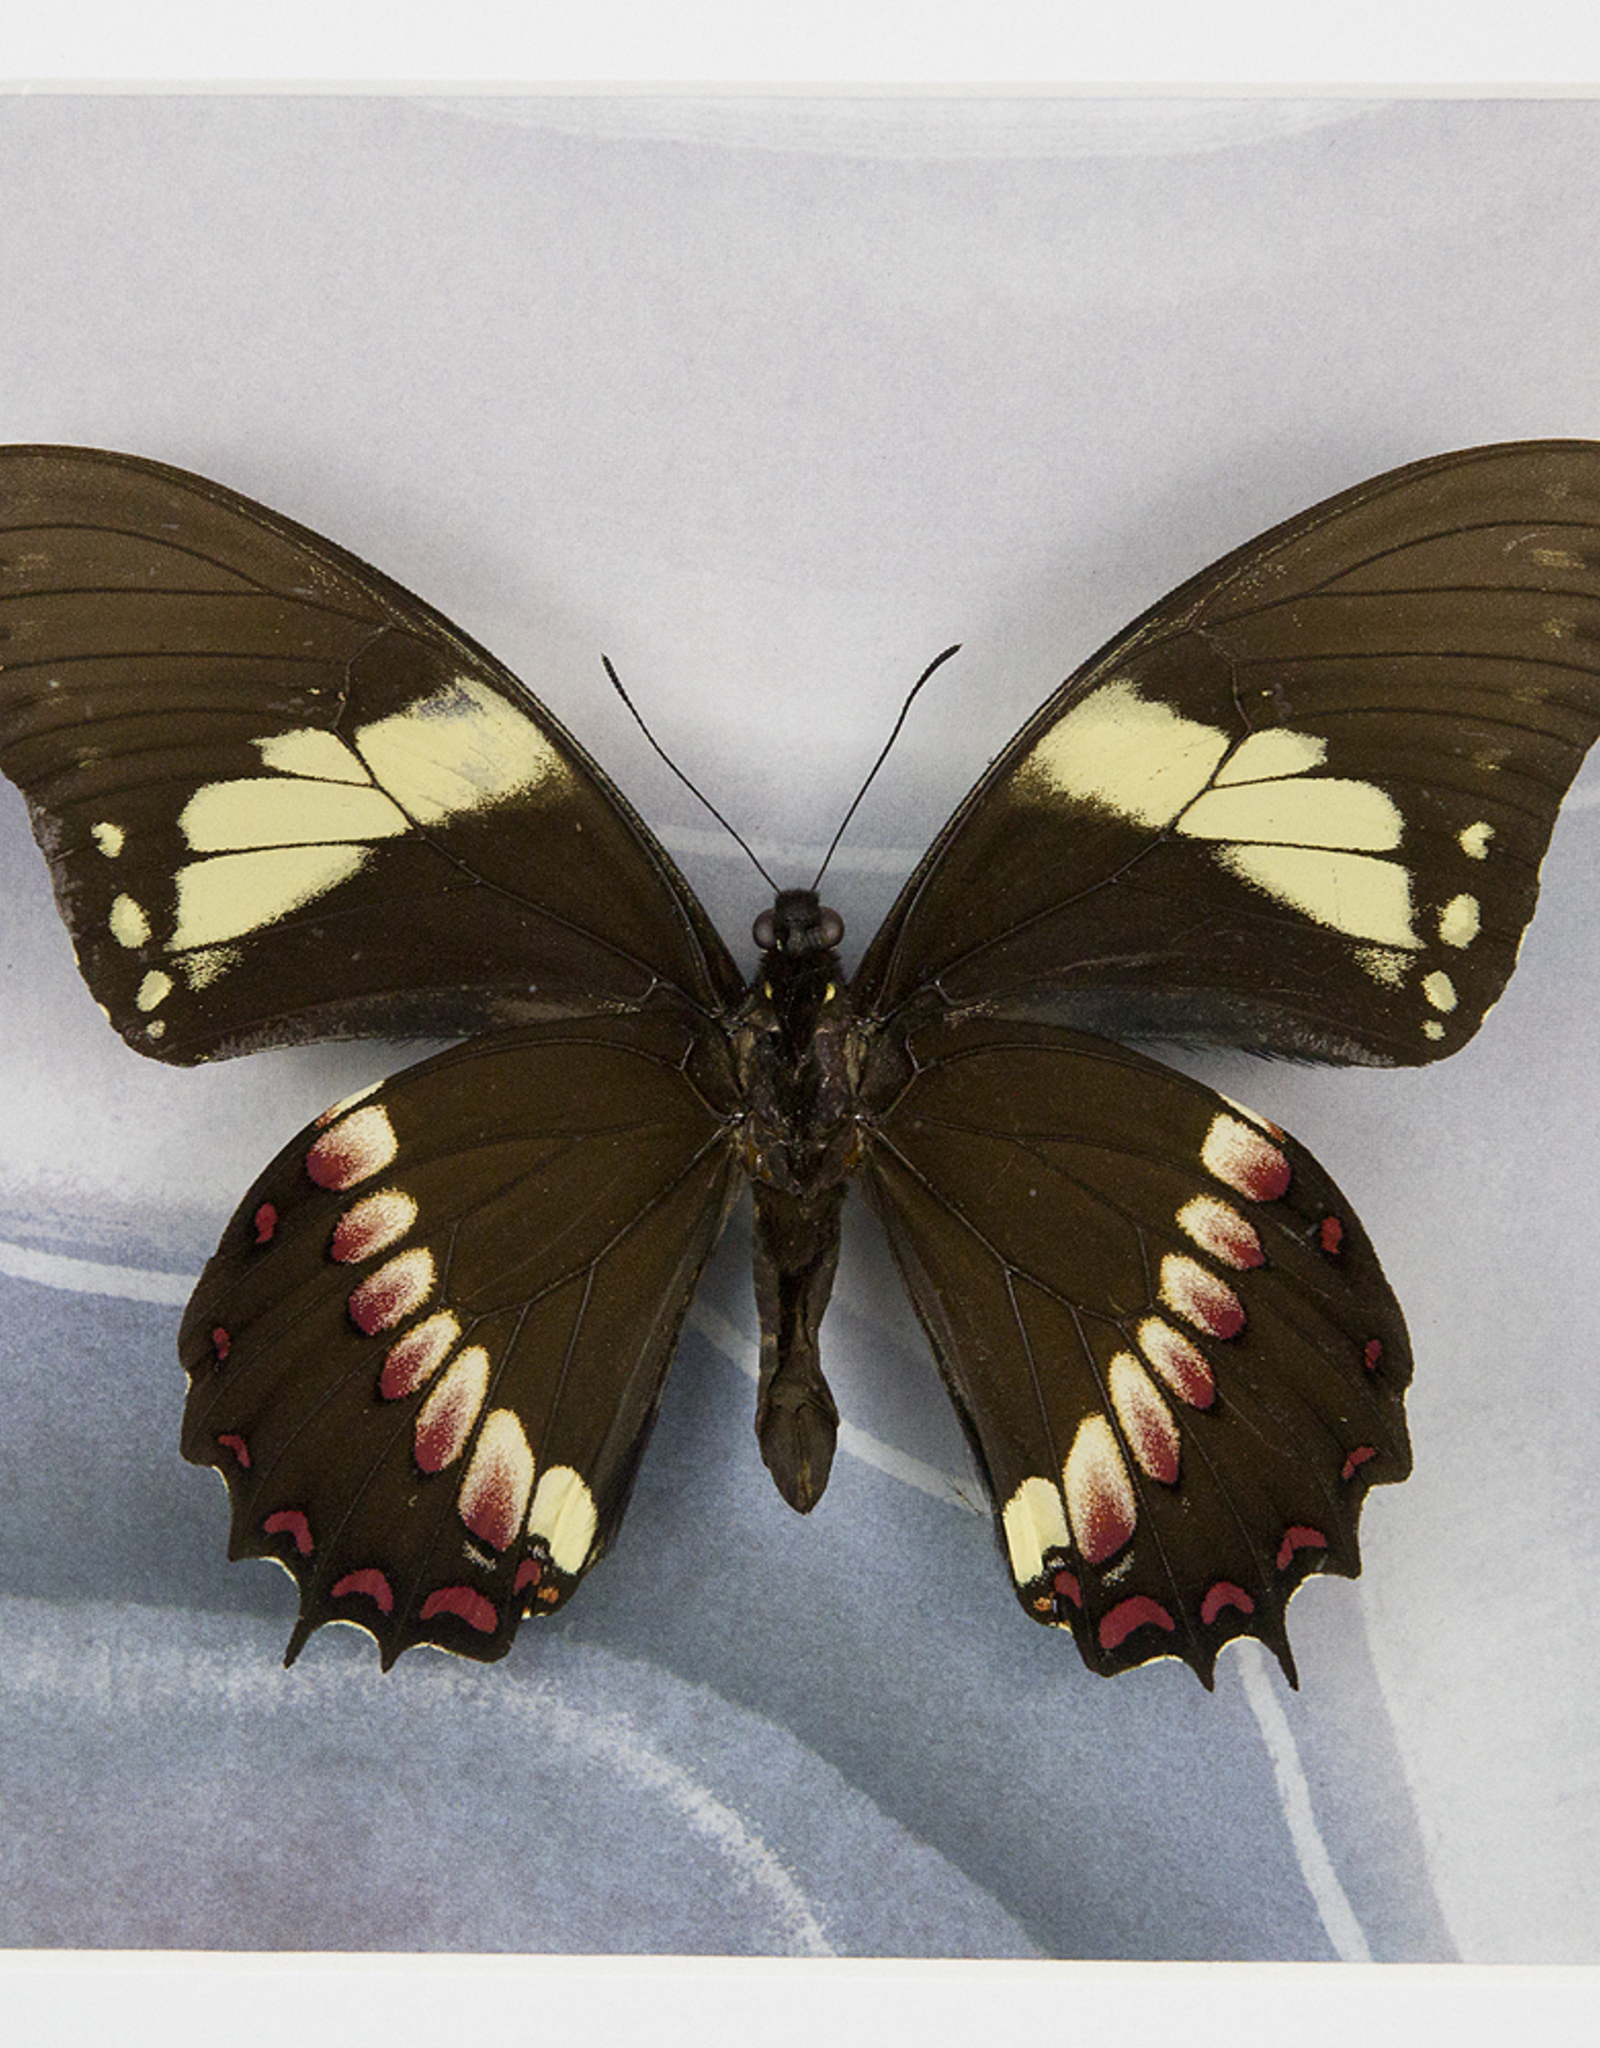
x,y
109,838
1459,921
1558,629
1218,1228
372,1224
1474,841
201,969
445,1419
1118,750
232,817
1352,816
494,1494
459,750
309,751
1266,755
236,893
156,1028
1554,558
1440,991
129,925
563,1514
1100,1500
1352,893
153,990
1384,965
1147,1422
1433,1028
1034,1521
412,1360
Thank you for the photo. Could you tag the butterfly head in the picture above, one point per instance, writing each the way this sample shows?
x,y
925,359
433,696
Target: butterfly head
x,y
798,925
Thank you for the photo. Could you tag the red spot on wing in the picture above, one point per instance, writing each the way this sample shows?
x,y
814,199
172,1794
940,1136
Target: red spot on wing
x,y
1299,1538
358,1146
266,1222
239,1448
290,1522
1330,1235
494,1515
413,1359
1357,1458
1242,1158
1201,1297
372,1583
221,1343
529,1573
1372,1353
1138,1612
1067,1588
391,1294
467,1604
1179,1363
1222,1595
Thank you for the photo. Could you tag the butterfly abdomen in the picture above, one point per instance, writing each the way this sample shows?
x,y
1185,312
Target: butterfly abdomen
x,y
797,1051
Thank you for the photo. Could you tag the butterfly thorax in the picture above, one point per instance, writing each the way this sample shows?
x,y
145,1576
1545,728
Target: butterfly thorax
x,y
796,1045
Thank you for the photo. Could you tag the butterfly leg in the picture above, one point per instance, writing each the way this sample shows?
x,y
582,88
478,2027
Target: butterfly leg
x,y
796,1256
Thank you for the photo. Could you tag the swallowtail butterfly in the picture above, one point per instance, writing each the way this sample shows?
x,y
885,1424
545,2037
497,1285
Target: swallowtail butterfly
x,y
1298,807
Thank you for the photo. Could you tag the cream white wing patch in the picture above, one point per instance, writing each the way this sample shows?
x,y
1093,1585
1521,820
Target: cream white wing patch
x,y
461,749
1325,845
270,844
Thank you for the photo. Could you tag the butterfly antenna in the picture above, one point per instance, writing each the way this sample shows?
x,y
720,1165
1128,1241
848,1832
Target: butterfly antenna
x,y
937,662
738,838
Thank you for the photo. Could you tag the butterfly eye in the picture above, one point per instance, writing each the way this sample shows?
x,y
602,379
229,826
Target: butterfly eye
x,y
765,932
830,927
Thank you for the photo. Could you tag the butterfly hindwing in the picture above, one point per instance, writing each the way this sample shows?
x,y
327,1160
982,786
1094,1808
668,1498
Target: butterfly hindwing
x,y
428,1351
1300,806
282,799
1166,1331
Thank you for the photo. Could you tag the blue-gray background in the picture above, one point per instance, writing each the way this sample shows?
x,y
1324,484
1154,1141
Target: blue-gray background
x,y
770,400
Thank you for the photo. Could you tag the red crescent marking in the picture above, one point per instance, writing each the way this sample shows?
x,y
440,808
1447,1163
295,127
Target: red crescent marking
x,y
1371,1355
1331,1236
290,1522
266,1221
221,1343
1223,1594
1299,1538
239,1448
529,1573
466,1604
1067,1588
1128,1615
370,1582
1357,1458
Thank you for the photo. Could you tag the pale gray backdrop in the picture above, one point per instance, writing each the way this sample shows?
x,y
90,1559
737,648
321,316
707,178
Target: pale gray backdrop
x,y
770,400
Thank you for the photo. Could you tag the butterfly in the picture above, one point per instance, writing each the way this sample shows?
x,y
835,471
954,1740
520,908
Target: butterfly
x,y
1298,807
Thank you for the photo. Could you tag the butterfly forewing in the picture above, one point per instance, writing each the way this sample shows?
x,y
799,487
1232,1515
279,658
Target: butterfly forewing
x,y
283,799
1301,805
429,1349
1167,1333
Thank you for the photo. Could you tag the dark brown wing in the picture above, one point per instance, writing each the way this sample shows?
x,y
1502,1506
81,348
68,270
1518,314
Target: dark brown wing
x,y
1166,1332
1301,805
429,1349
283,799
